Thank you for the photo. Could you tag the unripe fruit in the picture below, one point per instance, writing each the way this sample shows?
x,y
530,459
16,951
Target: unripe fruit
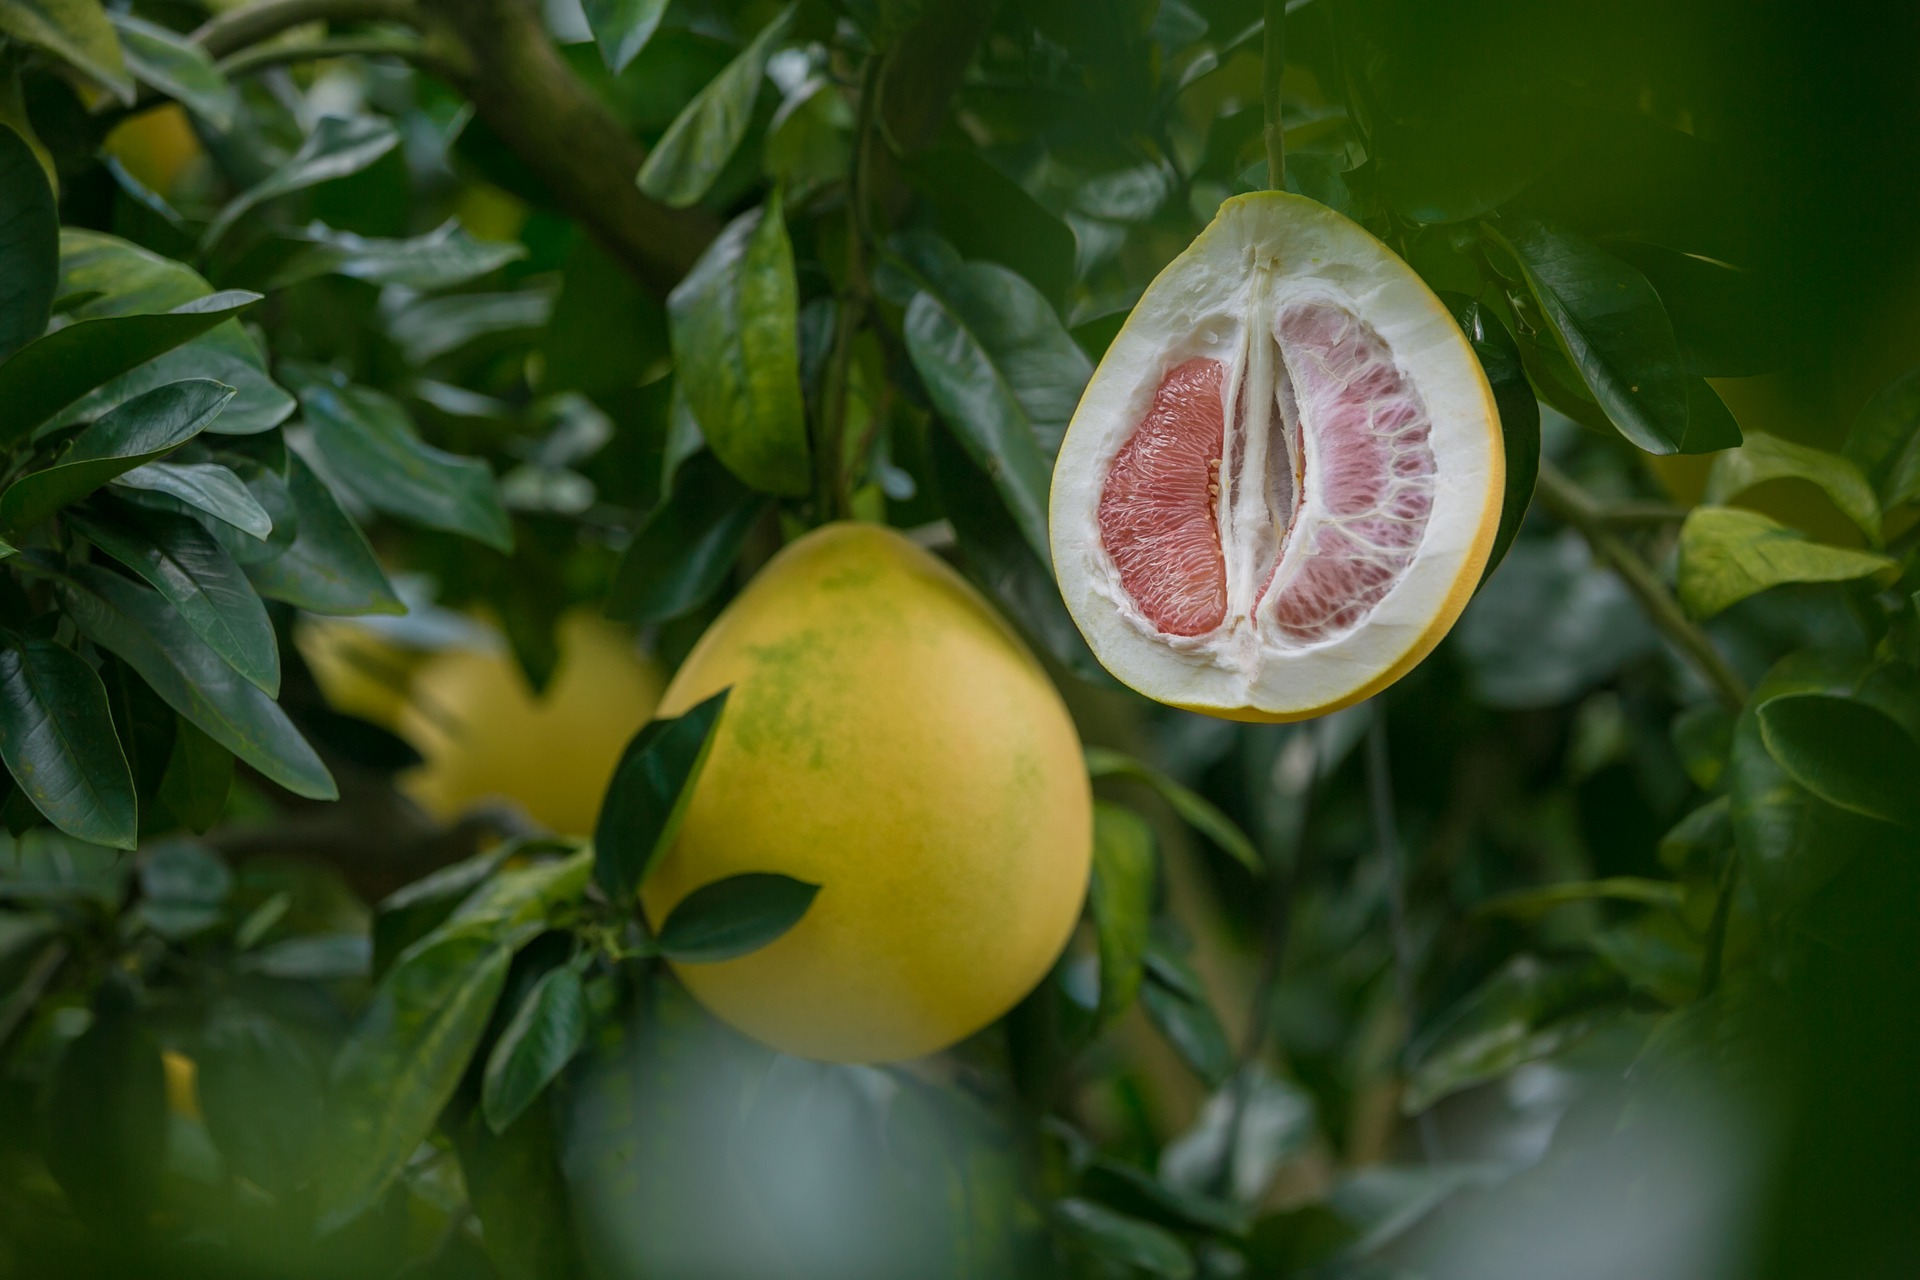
x,y
888,738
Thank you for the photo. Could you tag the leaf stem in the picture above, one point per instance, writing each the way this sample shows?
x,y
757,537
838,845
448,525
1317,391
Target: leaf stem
x,y
831,497
1273,59
1715,951
1577,508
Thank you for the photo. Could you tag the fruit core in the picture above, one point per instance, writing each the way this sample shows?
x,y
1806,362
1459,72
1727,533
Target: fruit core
x,y
1280,493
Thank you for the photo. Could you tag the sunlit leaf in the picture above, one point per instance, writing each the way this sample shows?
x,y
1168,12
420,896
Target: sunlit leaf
x,y
1763,457
77,33
163,59
1727,554
1845,752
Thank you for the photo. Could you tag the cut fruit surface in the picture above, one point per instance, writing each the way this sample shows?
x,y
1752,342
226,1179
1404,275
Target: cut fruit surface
x,y
1284,479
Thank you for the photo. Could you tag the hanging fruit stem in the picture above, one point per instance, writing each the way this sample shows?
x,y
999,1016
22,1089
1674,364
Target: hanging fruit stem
x,y
1273,59
831,498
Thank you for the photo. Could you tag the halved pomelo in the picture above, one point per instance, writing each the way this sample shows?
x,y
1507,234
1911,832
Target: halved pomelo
x,y
1283,482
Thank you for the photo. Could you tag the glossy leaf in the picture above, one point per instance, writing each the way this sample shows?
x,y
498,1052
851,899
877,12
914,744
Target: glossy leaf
x,y
1120,1240
1846,752
49,374
401,1064
684,549
546,1031
29,244
683,165
1519,419
336,148
734,916
150,636
1710,424
1727,554
163,59
648,796
206,487
330,568
622,28
1763,457
181,561
1194,809
137,432
374,449
1120,898
58,740
1885,440
75,32
441,259
735,340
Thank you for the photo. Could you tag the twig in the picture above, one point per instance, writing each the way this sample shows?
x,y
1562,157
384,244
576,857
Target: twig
x,y
1386,833
830,472
1273,55
1571,504
256,23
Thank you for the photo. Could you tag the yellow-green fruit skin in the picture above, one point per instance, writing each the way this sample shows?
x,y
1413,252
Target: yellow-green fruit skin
x,y
889,739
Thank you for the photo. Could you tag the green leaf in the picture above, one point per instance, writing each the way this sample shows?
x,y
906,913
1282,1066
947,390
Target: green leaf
x,y
372,446
106,1118
703,137
648,796
1846,752
261,1097
182,562
77,33
1468,159
330,568
1519,418
1120,897
735,342
1727,554
683,551
433,327
1885,440
1177,1005
1135,1191
440,259
57,737
402,1063
986,215
410,913
29,244
1124,1241
1763,457
336,148
198,779
527,895
169,62
183,887
1533,903
1251,1125
1194,810
1609,322
734,916
47,375
546,1031
1710,424
514,1184
137,432
150,636
203,486
999,367
622,28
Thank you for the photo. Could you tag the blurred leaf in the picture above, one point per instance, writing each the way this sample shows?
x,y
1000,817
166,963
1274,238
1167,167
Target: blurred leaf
x,y
546,1031
1885,440
169,62
733,917
1532,903
1468,160
1609,322
1845,752
1702,734
1120,898
622,28
184,886
1176,1003
1721,314
47,375
514,1185
1195,810
106,1118
402,1062
410,913
75,32
737,352
809,140
1120,1240
336,148
146,632
683,550
648,795
373,447
261,1097
1727,554
198,779
1763,457
527,895
1275,1120
29,244
329,569
1138,1193
182,562
430,328
1656,954
323,957
1519,418
58,739
203,486
987,215
440,259
703,137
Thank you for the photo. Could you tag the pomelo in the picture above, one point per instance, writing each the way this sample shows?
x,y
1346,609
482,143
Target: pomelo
x,y
889,739
1283,481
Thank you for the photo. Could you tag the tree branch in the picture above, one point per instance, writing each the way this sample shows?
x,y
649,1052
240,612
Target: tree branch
x,y
254,24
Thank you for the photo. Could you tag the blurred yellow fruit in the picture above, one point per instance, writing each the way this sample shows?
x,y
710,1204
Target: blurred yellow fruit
x,y
361,672
183,1097
155,146
889,739
486,736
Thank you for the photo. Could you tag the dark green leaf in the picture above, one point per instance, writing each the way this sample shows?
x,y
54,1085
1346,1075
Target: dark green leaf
x,y
409,914
29,244
1468,161
1532,903
1846,752
703,137
648,796
145,631
514,1185
546,1031
1120,1240
198,779
106,1118
169,62
1195,810
679,557
442,258
402,1062
75,32
183,887
736,347
374,449
1251,1125
1138,1193
203,486
337,147
261,1098
1519,418
47,375
323,957
1763,457
433,327
1710,424
528,895
58,740
1727,554
734,916
329,568
1885,440
987,215
1120,898
622,28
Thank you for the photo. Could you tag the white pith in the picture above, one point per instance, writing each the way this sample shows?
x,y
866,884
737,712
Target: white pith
x,y
1261,253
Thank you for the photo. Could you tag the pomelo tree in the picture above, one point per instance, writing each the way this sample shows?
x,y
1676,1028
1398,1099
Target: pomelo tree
x,y
397,398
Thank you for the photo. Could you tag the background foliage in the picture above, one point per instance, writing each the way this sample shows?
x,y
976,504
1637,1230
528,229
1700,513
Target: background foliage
x,y
1586,950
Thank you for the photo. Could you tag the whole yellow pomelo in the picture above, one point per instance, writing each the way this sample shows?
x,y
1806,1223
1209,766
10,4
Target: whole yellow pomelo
x,y
889,739
486,736
155,146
